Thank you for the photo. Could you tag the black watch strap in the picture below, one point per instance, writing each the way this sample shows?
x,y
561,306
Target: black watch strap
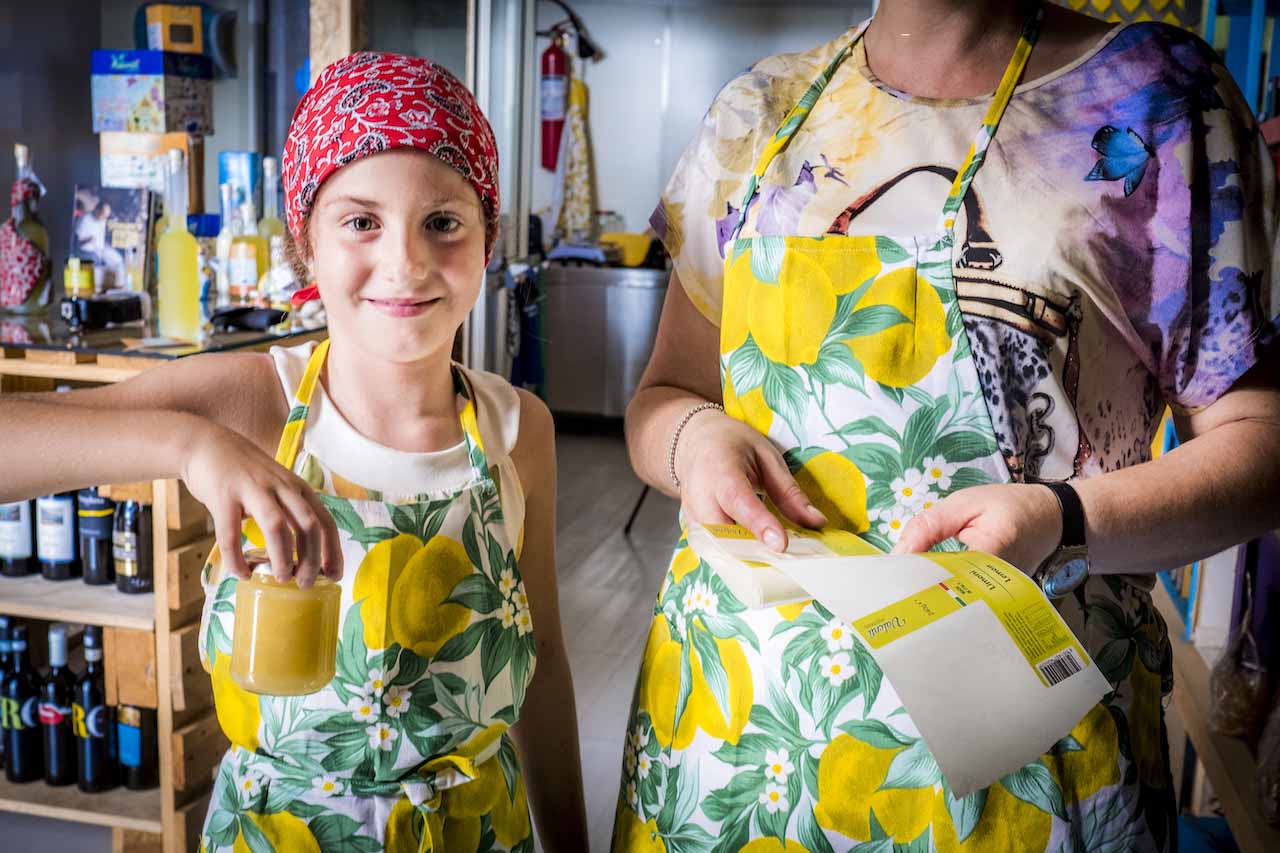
x,y
1073,533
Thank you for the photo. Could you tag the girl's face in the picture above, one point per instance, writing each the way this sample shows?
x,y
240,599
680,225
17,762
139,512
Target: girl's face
x,y
397,249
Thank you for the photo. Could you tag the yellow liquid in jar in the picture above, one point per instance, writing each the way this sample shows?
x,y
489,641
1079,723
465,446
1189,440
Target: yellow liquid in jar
x,y
286,638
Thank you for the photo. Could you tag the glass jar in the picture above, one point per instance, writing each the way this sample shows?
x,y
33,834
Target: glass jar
x,y
286,637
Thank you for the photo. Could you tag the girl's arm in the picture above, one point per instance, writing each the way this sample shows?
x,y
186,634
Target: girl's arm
x,y
547,732
210,420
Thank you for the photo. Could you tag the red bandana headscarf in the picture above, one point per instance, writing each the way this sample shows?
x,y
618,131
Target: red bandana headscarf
x,y
371,102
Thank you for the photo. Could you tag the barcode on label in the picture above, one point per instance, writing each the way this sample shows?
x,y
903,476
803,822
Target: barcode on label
x,y
1060,667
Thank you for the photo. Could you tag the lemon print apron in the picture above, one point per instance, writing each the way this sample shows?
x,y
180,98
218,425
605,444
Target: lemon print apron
x,y
773,730
406,750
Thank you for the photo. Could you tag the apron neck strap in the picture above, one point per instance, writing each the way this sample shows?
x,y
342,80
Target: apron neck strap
x,y
977,151
291,435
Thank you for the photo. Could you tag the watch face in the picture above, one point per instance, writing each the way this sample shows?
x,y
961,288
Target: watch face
x,y
1064,578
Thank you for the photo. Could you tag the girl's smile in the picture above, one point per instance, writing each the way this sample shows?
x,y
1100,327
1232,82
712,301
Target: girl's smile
x,y
404,307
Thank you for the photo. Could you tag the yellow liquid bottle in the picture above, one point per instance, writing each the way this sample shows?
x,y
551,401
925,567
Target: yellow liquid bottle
x,y
270,224
178,290
249,258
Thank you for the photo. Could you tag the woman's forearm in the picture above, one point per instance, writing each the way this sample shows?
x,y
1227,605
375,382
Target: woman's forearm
x,y
1218,489
51,446
651,422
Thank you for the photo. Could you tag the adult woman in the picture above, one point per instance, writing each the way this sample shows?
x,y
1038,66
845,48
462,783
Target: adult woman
x,y
1111,256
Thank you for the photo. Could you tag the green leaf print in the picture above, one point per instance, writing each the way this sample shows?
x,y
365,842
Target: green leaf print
x,y
469,543
919,433
335,831
796,457
1034,785
496,649
894,394
965,446
476,592
353,655
812,838
312,473
749,751
870,425
919,395
347,520
747,367
966,811
686,685
913,767
876,733
890,251
872,320
836,365
461,645
884,845
876,461
346,748
954,320
253,837
967,478
785,394
1067,744
712,669
766,259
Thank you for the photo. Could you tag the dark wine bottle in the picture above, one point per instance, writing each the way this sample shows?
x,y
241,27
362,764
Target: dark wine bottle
x,y
93,721
19,701
55,713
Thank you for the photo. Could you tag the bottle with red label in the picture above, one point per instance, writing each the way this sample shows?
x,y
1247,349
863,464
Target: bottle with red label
x,y
93,721
19,713
55,713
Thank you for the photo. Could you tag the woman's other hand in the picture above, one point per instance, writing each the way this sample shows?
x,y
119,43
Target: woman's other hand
x,y
1021,524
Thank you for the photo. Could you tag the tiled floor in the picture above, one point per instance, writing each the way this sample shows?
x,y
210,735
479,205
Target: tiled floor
x,y
607,585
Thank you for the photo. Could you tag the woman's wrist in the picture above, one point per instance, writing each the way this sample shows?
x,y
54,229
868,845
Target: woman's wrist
x,y
687,436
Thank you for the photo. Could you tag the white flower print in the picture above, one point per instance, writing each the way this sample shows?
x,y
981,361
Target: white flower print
x,y
524,622
777,765
327,785
397,700
700,599
507,582
643,766
629,761
893,521
836,668
519,598
632,797
250,784
377,681
837,635
508,614
363,709
682,625
909,490
381,736
937,472
639,738
774,798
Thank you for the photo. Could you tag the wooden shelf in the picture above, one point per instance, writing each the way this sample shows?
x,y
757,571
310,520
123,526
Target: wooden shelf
x,y
79,372
73,600
1227,761
121,808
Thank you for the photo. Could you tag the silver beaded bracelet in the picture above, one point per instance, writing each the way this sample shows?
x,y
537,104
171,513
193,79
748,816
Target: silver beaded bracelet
x,y
675,437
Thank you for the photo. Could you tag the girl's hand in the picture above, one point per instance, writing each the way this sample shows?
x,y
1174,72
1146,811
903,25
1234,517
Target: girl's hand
x,y
235,480
722,464
1021,524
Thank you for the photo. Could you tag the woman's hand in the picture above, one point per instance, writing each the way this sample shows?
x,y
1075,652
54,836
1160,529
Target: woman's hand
x,y
1021,524
235,480
723,464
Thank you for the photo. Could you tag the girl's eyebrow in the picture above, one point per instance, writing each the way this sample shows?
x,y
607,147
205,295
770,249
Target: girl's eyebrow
x,y
444,198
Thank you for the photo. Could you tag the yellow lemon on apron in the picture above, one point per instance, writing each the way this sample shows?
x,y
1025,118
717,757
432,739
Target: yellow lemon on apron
x,y
405,825
1096,766
462,835
420,618
238,711
376,577
773,845
284,830
837,488
789,320
510,815
850,772
1007,823
903,354
630,835
476,797
660,685
750,408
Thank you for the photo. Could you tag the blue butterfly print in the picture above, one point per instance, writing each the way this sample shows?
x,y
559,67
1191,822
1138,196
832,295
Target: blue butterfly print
x,y
1124,155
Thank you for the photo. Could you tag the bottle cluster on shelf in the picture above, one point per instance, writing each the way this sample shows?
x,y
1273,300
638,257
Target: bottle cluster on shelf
x,y
58,726
78,535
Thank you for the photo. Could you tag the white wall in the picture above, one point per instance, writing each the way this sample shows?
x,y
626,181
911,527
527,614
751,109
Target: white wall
x,y
665,60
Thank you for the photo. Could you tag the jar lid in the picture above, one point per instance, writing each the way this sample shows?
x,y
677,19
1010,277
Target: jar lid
x,y
260,567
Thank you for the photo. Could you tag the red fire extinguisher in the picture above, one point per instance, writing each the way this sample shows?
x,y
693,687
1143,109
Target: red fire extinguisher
x,y
555,99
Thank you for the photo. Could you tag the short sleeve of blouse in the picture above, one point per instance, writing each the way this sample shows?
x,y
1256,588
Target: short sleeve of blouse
x,y
701,202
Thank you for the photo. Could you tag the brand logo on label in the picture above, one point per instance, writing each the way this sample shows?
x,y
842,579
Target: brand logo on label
x,y
19,717
89,725
119,63
51,714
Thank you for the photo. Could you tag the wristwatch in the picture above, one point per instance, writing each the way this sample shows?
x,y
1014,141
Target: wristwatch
x,y
1063,571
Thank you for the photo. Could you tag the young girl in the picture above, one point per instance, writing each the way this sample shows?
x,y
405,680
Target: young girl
x,y
425,489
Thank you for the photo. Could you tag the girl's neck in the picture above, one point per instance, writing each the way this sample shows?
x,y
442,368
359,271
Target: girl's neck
x,y
407,406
